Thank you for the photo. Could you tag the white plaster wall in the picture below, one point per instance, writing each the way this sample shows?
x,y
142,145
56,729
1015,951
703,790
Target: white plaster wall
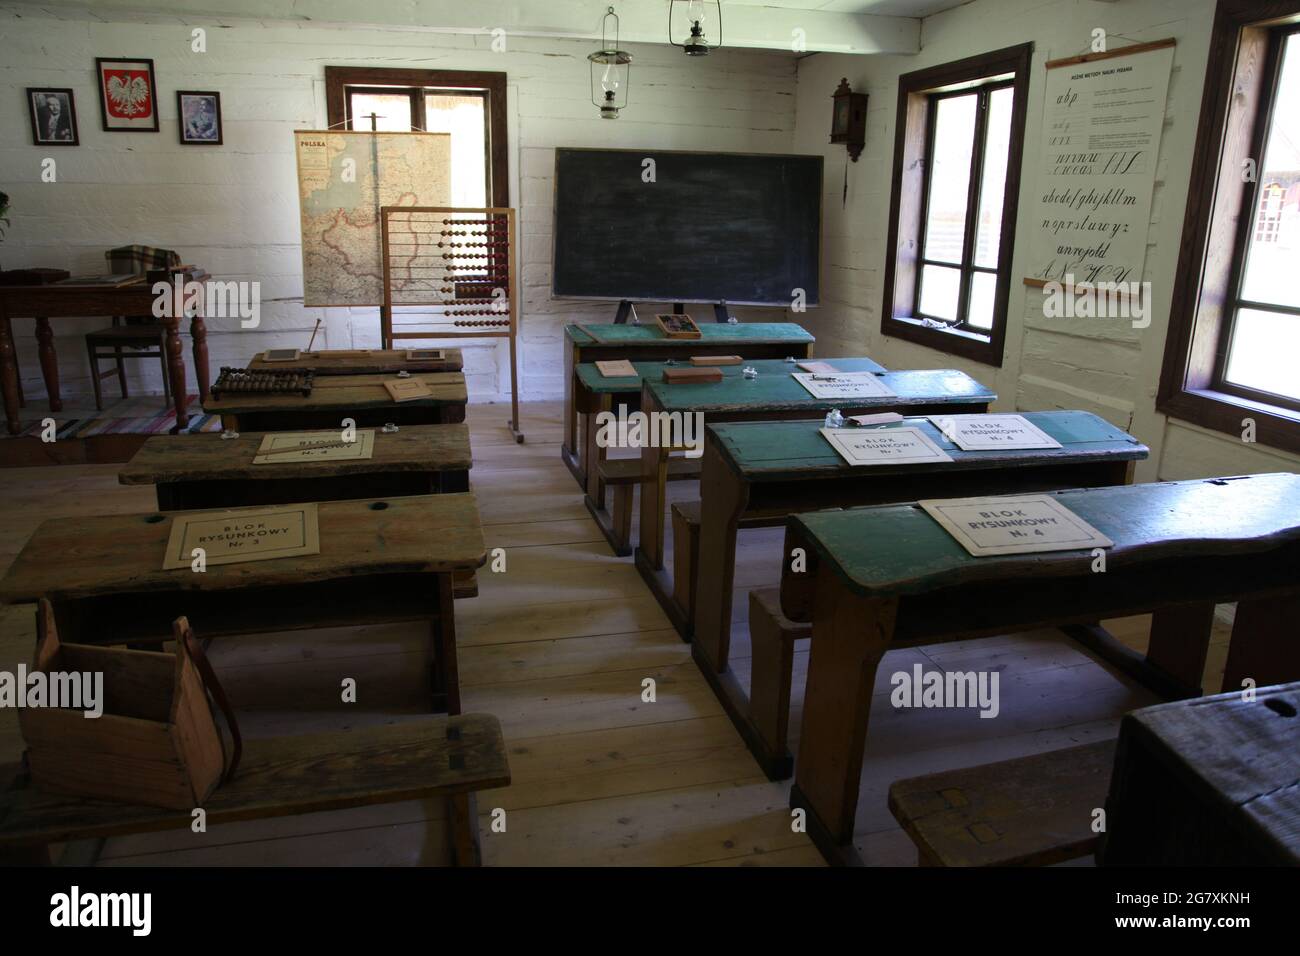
x,y
234,208
1105,367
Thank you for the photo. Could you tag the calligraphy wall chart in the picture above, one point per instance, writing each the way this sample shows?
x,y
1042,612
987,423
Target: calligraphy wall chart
x,y
1102,119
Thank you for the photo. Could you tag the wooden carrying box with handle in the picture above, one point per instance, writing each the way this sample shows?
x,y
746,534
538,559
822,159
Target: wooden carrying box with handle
x,y
157,741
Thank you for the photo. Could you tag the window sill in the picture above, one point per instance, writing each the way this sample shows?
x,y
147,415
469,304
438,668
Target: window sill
x,y
1275,427
970,345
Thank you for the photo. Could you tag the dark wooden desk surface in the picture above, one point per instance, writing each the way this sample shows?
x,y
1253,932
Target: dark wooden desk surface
x,y
209,457
344,392
1208,782
377,361
76,558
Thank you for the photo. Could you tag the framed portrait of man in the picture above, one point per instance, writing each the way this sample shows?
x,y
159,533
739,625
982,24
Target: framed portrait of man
x,y
54,117
200,117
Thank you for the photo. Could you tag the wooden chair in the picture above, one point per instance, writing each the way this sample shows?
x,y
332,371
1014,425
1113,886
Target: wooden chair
x,y
131,336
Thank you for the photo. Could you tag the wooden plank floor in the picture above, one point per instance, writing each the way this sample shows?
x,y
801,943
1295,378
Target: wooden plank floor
x,y
558,647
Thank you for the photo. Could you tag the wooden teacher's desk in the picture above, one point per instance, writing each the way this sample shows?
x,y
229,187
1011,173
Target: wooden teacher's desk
x,y
209,471
380,561
755,474
891,576
647,343
333,398
774,395
61,301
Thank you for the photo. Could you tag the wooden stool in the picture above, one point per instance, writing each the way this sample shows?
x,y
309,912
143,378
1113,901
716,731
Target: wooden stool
x,y
1033,811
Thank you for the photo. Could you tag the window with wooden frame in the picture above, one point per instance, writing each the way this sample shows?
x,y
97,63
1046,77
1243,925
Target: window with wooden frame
x,y
1234,323
952,218
469,105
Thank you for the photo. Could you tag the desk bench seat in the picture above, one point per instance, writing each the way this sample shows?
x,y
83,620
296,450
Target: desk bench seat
x,y
284,776
623,475
1032,811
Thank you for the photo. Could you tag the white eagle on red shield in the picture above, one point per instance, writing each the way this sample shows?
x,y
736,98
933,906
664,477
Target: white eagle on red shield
x,y
128,94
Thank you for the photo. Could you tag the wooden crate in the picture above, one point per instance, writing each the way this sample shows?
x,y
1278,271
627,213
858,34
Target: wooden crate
x,y
156,741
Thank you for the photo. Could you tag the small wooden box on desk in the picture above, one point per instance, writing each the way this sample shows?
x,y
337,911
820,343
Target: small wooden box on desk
x,y
333,398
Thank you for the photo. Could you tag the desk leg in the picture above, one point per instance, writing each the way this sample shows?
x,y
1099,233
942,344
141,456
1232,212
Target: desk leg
x,y
1180,641
722,500
1264,646
176,372
199,336
850,635
49,363
570,444
446,672
9,375
593,454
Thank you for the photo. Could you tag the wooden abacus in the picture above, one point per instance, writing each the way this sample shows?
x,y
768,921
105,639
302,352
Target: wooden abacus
x,y
278,381
455,270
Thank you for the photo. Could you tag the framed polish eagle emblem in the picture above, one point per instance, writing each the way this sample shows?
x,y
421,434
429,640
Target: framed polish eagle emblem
x,y
128,95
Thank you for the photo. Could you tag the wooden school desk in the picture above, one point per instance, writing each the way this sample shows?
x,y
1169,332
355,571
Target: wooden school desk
x,y
62,301
380,561
333,398
596,393
1209,782
755,474
208,471
891,576
773,396
363,362
646,343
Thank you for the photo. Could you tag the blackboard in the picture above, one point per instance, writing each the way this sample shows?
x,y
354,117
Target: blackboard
x,y
711,227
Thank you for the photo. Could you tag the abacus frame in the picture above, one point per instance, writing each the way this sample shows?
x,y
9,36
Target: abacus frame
x,y
388,335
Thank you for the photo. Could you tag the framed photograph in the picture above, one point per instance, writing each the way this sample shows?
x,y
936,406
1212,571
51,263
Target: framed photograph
x,y
200,117
54,117
128,95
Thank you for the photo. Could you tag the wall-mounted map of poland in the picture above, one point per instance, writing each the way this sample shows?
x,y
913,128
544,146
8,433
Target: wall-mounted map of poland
x,y
344,177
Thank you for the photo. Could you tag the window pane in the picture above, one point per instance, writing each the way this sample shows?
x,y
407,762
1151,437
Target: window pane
x,y
940,290
1273,250
954,142
983,289
997,144
465,118
392,109
1263,351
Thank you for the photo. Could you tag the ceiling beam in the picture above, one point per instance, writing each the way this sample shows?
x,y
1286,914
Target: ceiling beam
x,y
641,21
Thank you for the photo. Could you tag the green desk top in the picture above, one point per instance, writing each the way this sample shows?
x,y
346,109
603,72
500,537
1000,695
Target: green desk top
x,y
778,391
649,333
593,381
899,549
769,451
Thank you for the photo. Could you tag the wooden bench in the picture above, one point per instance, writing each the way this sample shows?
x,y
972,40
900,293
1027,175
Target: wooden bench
x,y
1031,811
333,398
379,561
431,757
623,475
587,344
891,576
1209,782
772,637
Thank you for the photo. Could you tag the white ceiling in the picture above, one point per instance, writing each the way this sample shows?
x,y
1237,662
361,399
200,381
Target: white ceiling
x,y
881,8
